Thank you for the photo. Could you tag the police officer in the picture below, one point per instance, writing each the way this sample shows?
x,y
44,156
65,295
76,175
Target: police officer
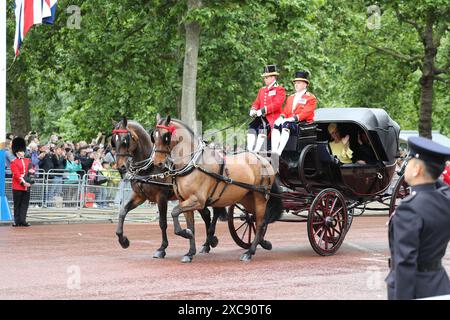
x,y
419,228
265,109
21,182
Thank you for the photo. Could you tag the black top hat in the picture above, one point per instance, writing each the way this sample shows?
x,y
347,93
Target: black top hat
x,y
433,154
18,144
270,70
301,76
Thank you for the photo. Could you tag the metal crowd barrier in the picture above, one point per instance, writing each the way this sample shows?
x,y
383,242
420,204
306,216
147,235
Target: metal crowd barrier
x,y
54,189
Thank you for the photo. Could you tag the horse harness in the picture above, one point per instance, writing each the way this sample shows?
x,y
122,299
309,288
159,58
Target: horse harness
x,y
133,168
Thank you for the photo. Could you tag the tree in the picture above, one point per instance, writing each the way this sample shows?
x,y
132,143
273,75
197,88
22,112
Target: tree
x,y
188,92
17,86
430,20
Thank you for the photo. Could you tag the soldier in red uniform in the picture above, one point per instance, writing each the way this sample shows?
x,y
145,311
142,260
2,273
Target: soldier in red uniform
x,y
21,182
265,109
299,109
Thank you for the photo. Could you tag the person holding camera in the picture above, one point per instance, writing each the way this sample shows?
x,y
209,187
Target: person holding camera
x,y
46,163
22,180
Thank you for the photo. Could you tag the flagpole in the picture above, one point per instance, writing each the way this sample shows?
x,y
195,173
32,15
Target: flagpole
x,y
5,214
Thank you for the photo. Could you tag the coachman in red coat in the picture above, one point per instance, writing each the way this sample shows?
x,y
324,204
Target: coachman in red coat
x,y
21,182
299,109
265,109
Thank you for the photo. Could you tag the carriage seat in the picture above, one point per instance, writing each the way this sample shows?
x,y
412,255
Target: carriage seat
x,y
306,134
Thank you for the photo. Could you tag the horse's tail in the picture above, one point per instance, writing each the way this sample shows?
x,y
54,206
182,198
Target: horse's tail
x,y
274,207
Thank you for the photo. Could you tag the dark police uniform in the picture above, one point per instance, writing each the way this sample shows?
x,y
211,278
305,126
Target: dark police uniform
x,y
419,232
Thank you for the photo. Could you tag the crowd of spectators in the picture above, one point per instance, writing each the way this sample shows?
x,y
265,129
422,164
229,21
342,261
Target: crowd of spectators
x,y
66,162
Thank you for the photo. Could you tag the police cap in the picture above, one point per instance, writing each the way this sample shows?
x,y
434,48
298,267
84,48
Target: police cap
x,y
432,153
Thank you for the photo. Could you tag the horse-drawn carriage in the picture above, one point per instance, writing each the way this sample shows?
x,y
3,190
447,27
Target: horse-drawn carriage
x,y
325,193
312,185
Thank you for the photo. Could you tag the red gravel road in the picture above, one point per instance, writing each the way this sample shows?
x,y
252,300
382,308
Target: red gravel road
x,y
85,261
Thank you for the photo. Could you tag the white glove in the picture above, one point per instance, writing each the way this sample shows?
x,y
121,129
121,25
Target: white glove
x,y
252,113
259,113
289,119
279,121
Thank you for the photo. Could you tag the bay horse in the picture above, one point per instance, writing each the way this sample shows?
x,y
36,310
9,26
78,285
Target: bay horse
x,y
202,178
133,150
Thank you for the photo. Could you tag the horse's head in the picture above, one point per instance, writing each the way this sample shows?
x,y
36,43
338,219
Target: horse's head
x,y
167,138
125,140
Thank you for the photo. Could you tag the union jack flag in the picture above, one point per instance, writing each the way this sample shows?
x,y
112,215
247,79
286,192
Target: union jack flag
x,y
29,13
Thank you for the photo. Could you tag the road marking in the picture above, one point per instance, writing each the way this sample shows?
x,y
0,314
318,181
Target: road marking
x,y
357,246
381,260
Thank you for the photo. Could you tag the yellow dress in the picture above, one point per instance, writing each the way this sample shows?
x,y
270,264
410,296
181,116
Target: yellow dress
x,y
338,149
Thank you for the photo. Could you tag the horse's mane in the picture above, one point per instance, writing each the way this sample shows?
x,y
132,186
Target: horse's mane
x,y
138,128
137,125
180,123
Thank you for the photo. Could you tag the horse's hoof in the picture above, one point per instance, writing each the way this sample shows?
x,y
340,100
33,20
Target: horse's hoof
x,y
266,245
125,243
186,259
214,241
205,249
159,254
246,257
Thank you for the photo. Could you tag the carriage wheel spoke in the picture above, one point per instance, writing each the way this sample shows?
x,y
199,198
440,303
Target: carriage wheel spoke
x,y
332,206
317,231
250,234
253,226
245,231
320,238
336,212
330,236
337,231
243,224
327,205
321,206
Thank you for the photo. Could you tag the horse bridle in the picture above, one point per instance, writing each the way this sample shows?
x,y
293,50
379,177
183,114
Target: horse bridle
x,y
126,140
169,163
171,130
133,168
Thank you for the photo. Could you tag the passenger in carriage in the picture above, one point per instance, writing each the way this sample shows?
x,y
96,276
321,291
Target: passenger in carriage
x,y
363,153
265,109
340,146
299,108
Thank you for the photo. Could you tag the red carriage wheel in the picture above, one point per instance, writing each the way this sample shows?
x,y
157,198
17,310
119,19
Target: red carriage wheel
x,y
242,226
401,190
327,222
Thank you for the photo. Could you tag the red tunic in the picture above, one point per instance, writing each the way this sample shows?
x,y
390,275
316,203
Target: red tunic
x,y
446,175
272,100
304,111
18,169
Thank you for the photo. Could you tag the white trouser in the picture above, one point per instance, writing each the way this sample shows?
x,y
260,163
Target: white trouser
x,y
275,139
251,138
260,142
283,140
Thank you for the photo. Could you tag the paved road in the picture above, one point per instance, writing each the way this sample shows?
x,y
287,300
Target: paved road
x,y
84,261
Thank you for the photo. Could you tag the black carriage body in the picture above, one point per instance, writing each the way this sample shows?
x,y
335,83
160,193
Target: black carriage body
x,y
307,161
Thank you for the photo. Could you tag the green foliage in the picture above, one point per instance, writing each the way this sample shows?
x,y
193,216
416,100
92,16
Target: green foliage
x,y
127,59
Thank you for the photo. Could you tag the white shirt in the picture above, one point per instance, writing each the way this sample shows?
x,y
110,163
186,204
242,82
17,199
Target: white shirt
x,y
298,96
